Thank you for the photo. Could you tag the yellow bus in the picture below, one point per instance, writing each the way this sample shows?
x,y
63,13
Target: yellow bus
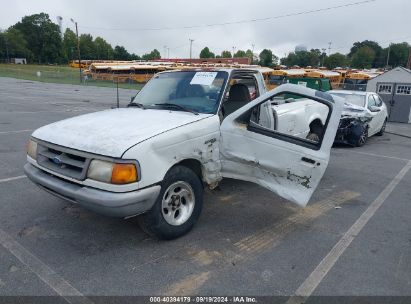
x,y
278,77
334,77
357,81
123,71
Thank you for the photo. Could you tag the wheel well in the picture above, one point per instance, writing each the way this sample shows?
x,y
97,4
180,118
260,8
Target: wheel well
x,y
316,126
192,164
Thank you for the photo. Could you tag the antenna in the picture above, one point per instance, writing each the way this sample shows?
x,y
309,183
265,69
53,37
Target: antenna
x,y
329,47
191,47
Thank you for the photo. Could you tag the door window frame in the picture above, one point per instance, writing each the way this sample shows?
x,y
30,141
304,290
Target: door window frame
x,y
256,128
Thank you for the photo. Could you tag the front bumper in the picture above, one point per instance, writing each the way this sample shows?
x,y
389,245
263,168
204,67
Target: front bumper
x,y
349,131
108,203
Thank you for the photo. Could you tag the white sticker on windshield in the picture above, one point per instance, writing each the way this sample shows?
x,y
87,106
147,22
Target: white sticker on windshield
x,y
204,78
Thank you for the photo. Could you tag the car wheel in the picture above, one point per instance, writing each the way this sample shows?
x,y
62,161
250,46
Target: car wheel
x,y
363,138
381,133
313,137
177,207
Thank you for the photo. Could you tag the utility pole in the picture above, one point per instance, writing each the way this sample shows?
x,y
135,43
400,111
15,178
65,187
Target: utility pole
x,y
191,47
252,53
165,50
388,56
233,51
323,55
329,48
168,53
78,48
7,50
409,59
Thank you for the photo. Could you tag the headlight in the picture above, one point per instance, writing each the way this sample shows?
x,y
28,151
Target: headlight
x,y
114,173
32,149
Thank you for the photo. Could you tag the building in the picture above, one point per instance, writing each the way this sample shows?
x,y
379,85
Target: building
x,y
300,48
394,87
18,60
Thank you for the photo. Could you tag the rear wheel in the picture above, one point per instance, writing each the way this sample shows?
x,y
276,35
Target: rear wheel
x,y
382,131
177,207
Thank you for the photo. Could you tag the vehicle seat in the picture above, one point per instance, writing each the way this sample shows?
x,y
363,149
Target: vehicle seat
x,y
195,90
239,96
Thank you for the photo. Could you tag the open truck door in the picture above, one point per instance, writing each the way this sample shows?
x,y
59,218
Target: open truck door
x,y
270,153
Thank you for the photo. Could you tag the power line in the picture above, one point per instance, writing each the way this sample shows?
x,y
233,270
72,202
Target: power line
x,y
238,21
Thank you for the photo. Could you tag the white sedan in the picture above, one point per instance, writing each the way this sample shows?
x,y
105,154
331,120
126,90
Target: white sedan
x,y
364,115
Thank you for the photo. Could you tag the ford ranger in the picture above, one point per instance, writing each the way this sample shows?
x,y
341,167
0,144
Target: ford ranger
x,y
183,131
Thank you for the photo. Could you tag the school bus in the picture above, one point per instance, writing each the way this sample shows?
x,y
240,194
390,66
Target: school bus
x,y
278,77
124,71
334,77
357,81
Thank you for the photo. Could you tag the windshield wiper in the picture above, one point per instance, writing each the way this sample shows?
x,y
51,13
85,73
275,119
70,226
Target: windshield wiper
x,y
136,104
176,106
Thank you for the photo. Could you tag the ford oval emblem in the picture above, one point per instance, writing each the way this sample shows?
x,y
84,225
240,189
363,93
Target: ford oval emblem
x,y
56,160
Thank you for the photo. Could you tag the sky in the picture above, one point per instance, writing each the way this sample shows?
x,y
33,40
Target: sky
x,y
141,26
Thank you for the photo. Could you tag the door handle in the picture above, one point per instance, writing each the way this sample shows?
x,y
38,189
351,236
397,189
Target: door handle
x,y
308,160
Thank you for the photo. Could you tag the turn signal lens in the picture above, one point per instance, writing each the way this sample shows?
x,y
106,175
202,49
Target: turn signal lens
x,y
32,149
124,174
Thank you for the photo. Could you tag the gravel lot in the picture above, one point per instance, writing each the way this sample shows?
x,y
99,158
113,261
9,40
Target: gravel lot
x,y
248,241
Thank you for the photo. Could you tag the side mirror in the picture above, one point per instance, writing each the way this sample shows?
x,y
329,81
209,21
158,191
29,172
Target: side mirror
x,y
375,109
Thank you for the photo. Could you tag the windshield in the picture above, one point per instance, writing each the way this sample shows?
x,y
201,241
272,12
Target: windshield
x,y
196,91
276,79
356,99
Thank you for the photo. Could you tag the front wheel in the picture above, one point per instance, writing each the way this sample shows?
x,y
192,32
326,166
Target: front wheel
x,y
363,138
177,207
382,131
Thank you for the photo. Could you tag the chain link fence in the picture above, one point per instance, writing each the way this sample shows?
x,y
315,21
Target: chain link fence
x,y
61,74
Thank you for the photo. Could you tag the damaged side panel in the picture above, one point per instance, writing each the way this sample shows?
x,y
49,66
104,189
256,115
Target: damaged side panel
x,y
199,142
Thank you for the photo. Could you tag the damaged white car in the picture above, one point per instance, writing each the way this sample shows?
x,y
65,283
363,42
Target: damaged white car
x,y
185,130
364,115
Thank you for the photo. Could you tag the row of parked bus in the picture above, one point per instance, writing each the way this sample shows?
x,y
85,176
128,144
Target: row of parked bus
x,y
339,78
141,72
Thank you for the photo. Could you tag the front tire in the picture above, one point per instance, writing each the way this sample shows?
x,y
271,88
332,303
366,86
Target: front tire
x,y
177,207
382,131
363,138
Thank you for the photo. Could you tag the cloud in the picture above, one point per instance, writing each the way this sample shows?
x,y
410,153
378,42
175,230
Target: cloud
x,y
118,22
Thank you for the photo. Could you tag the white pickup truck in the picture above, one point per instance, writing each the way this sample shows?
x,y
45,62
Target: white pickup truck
x,y
185,130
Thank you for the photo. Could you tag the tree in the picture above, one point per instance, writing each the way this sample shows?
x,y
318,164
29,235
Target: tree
x,y
398,54
226,54
15,45
303,58
336,60
240,54
363,58
104,50
135,57
69,45
87,47
253,58
267,58
206,53
120,53
42,36
379,58
153,55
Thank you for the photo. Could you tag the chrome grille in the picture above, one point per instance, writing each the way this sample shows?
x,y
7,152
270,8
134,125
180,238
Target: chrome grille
x,y
64,161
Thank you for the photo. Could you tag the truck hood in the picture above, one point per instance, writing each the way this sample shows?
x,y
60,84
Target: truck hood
x,y
112,132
